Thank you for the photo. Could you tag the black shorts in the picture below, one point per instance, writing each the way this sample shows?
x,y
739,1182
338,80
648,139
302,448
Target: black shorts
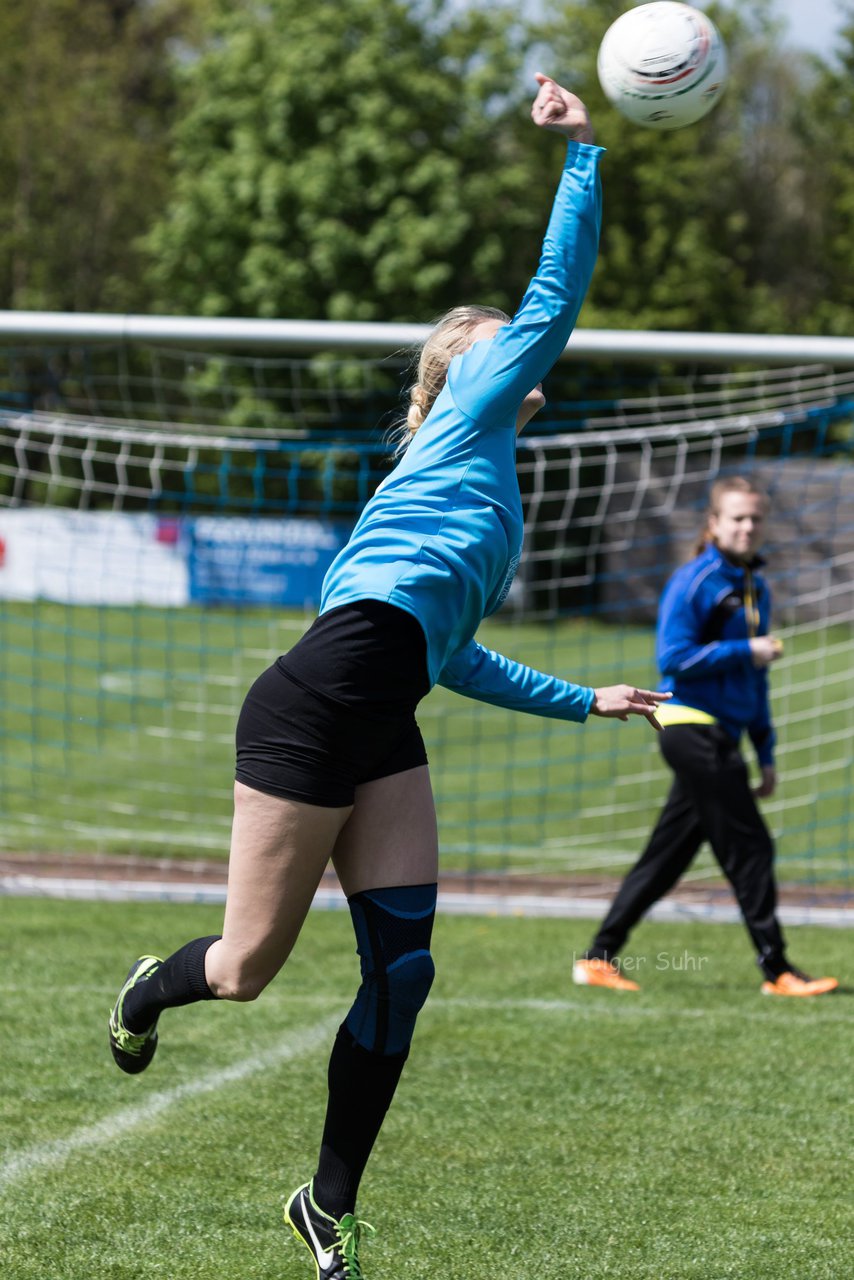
x,y
338,710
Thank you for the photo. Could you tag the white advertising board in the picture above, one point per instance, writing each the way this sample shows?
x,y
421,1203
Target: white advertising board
x,y
103,557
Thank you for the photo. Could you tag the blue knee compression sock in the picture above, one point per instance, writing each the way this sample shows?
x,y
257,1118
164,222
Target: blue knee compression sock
x,y
393,930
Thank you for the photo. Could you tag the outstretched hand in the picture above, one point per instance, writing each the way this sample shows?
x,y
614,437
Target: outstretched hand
x,y
557,109
619,701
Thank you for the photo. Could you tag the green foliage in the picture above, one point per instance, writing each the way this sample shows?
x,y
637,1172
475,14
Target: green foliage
x,y
87,99
340,162
373,159
826,130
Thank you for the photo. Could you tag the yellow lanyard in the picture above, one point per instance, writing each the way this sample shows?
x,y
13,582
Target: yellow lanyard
x,y
751,605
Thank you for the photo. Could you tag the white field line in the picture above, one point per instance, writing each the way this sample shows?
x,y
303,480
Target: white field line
x,y
586,1005
589,1006
450,902
115,1127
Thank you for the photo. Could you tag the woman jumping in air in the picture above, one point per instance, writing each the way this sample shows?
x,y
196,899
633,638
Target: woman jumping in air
x,y
330,760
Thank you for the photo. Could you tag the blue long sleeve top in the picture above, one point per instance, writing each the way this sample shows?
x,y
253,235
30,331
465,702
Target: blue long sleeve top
x,y
703,645
442,535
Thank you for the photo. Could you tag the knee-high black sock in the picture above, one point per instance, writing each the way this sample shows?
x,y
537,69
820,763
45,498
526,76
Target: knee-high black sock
x,y
361,1087
179,980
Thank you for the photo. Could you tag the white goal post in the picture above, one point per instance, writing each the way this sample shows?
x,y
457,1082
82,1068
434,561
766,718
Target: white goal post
x,y
135,450
239,333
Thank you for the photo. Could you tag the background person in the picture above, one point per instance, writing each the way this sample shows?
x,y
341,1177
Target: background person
x,y
330,761
714,651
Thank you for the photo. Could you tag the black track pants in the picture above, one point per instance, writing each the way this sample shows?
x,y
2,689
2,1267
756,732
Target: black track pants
x,y
710,800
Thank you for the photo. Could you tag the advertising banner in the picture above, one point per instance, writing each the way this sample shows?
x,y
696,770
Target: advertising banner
x,y
91,557
105,557
241,561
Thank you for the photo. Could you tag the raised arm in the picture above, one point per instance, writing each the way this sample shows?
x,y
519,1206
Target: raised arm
x,y
491,380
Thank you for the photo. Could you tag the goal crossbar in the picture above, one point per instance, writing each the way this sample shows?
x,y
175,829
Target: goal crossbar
x,y
361,336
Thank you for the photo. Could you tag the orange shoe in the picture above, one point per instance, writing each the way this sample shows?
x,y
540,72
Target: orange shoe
x,y
795,983
601,973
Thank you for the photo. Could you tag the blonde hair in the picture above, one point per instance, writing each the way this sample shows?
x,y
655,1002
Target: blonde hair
x,y
728,484
451,334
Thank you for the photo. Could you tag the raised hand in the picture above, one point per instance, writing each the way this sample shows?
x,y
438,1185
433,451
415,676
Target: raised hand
x,y
557,109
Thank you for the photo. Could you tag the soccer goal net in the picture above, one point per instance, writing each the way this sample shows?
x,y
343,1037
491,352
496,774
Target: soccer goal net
x,y
166,517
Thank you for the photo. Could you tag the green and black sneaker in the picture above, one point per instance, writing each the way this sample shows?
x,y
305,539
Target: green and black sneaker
x,y
133,1051
333,1245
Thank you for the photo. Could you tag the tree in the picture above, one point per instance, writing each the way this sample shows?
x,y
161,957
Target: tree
x,y
88,96
374,159
349,160
826,126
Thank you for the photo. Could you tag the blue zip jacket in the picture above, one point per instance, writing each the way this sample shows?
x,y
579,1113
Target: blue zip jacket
x,y
703,646
442,535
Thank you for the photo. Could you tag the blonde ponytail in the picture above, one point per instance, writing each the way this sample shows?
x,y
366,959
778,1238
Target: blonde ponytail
x,y
419,406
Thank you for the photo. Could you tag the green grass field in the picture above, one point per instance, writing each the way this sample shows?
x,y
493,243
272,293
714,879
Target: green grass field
x,y
695,1131
117,735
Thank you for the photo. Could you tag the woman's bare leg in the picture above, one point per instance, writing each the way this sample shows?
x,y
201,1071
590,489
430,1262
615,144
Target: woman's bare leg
x,y
390,837
279,851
